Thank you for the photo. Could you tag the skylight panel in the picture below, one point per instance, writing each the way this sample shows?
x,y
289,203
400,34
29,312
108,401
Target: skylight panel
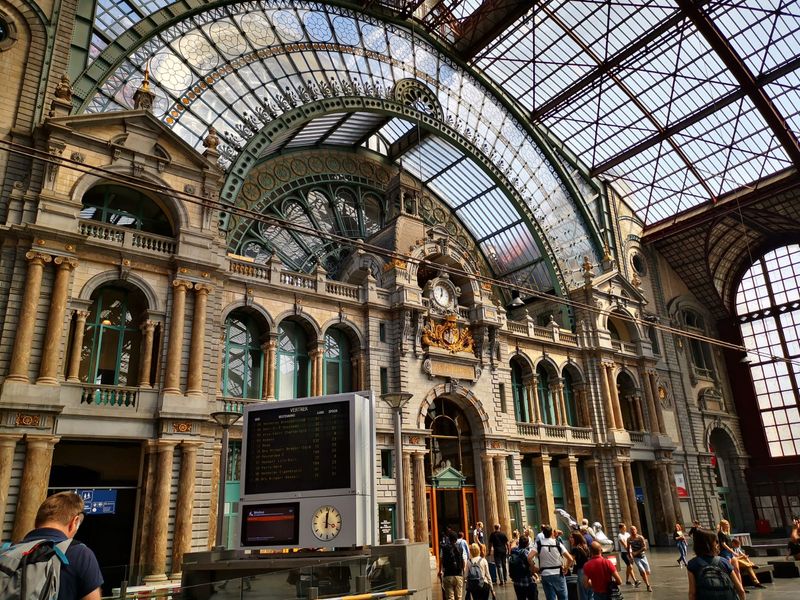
x,y
785,93
511,248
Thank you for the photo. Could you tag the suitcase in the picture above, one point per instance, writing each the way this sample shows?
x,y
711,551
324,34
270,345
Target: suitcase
x,y
493,572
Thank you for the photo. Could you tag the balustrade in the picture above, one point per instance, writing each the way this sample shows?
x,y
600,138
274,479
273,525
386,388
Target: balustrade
x,y
109,395
128,238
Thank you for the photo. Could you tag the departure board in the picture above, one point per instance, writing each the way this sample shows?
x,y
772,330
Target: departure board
x,y
298,448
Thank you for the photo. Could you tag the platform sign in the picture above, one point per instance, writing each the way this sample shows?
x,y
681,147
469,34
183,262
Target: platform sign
x,y
307,473
98,501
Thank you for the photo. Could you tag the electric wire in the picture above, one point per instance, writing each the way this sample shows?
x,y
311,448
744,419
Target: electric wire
x,y
209,203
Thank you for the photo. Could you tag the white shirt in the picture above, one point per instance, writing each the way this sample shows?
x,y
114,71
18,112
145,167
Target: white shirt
x,y
623,541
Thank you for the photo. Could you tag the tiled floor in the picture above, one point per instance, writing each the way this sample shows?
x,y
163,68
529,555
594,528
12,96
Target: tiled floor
x,y
670,582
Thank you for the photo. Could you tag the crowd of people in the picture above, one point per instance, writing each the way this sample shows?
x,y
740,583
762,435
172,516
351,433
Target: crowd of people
x,y
529,560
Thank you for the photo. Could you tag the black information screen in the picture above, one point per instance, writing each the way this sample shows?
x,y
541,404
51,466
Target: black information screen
x,y
271,524
298,448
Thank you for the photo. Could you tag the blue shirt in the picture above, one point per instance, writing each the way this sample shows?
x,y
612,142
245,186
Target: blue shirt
x,y
696,565
82,575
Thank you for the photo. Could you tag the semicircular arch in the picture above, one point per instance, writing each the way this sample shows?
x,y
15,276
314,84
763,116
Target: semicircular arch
x,y
463,398
131,279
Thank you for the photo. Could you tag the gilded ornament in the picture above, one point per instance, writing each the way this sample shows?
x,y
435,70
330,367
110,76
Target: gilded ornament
x,y
448,335
395,263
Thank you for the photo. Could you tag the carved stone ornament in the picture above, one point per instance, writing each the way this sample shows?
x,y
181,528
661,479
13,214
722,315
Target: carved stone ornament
x,y
63,90
182,427
448,335
26,420
211,141
395,263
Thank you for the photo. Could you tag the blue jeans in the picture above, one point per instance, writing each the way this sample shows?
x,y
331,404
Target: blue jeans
x,y
554,586
583,593
682,550
526,591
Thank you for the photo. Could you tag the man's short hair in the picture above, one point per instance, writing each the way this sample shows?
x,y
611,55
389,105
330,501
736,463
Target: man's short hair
x,y
59,508
547,532
523,542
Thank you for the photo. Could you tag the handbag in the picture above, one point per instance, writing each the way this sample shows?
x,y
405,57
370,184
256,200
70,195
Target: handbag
x,y
614,593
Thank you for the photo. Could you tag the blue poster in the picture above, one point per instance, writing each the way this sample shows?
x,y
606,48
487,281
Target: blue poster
x,y
639,494
98,501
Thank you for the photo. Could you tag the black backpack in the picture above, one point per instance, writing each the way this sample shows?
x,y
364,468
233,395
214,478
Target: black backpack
x,y
475,581
518,567
452,561
713,583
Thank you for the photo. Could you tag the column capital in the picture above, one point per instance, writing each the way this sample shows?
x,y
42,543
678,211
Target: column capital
x,y
607,363
190,446
35,257
65,262
148,326
9,439
202,288
569,460
182,283
41,441
81,314
315,352
164,444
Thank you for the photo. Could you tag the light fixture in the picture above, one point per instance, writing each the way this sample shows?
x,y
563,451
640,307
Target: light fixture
x,y
106,322
516,301
225,419
396,401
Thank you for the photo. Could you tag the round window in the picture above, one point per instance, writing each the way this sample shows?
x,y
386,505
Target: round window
x,y
8,33
638,264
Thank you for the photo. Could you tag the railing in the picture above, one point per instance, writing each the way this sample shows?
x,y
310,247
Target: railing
x,y
515,327
128,237
305,282
345,290
581,433
568,338
229,404
531,429
555,432
703,373
625,347
543,332
248,269
463,312
109,395
637,437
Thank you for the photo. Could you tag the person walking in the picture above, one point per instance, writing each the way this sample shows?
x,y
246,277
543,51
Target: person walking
x,y
637,546
711,575
520,567
622,538
580,552
680,541
499,548
598,573
554,563
479,582
478,535
58,519
451,568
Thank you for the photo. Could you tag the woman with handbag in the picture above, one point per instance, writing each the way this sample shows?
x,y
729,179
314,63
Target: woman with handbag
x,y
600,575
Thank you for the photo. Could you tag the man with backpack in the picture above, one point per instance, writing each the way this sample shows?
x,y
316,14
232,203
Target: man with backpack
x,y
519,569
451,567
479,582
712,577
554,563
48,564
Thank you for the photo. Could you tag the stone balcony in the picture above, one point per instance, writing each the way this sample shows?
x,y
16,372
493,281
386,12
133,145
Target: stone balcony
x,y
582,436
128,239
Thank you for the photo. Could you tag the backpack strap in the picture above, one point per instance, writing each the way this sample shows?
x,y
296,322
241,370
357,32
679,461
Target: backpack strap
x,y
61,550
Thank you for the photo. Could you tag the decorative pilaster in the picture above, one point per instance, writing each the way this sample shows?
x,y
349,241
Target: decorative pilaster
x,y
146,511
48,368
615,398
503,510
172,377
558,392
622,493
544,487
573,496
146,365
533,401
8,446
268,347
194,385
317,374
637,407
634,508
214,504
651,406
489,492
182,538
420,499
21,355
156,570
33,485
74,367
607,401
408,497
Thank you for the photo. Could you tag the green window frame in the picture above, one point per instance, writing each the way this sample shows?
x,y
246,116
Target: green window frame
x,y
336,364
124,207
545,396
292,375
520,394
569,400
243,364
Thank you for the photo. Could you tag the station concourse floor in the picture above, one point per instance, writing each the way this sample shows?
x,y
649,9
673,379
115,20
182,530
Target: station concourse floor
x,y
670,582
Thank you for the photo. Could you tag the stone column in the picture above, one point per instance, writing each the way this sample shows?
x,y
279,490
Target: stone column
x,y
503,510
637,406
622,493
657,402
651,406
33,485
194,385
182,538
156,570
615,398
408,497
597,501
317,374
420,499
146,364
268,347
544,488
489,492
213,505
561,402
362,371
574,504
172,377
74,366
533,401
665,495
21,354
146,509
8,446
48,367
626,466
608,405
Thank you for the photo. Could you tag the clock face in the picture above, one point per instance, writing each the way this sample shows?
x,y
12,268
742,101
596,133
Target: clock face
x,y
441,295
326,523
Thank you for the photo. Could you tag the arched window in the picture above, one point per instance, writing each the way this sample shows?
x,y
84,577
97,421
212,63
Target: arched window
x,y
699,351
293,374
243,359
546,406
769,319
569,400
520,394
112,339
336,364
124,207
